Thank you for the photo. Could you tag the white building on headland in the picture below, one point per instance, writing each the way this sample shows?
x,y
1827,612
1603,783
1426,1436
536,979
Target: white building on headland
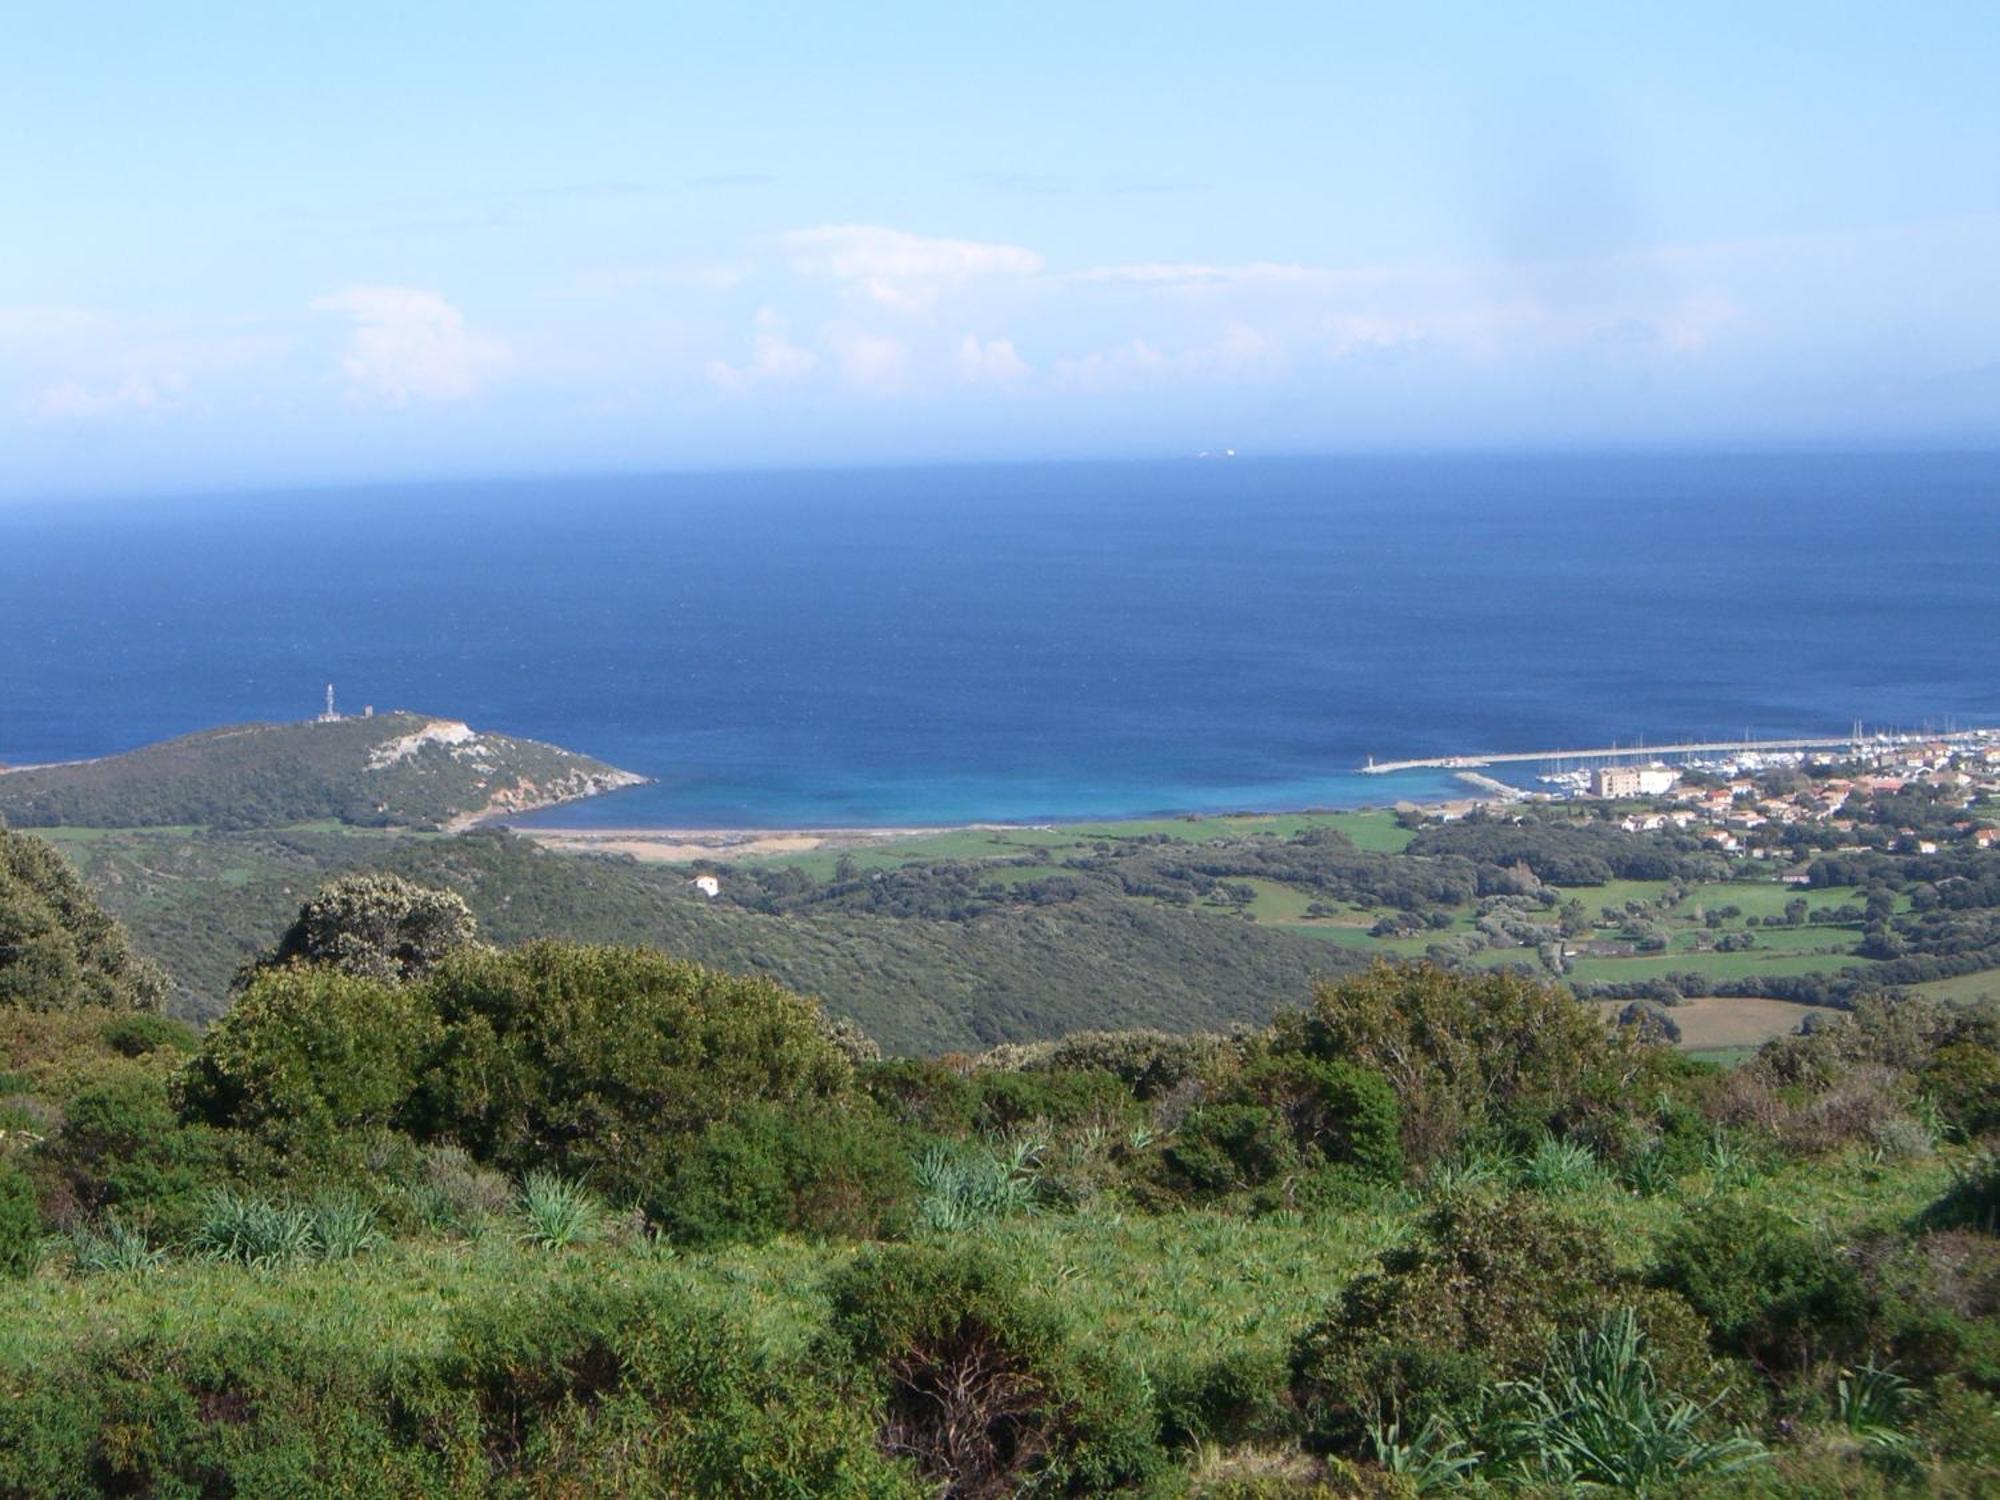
x,y
1633,781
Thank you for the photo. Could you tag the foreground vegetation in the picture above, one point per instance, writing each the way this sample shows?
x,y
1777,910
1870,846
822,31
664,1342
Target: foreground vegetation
x,y
423,1216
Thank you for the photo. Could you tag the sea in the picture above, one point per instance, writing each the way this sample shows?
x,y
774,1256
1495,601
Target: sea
x,y
1029,642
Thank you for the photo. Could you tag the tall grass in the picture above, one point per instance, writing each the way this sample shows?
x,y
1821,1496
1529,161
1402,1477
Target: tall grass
x,y
557,1212
253,1231
1595,1416
113,1248
1559,1167
965,1184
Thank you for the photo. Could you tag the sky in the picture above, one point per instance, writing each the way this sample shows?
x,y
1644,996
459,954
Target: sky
x,y
255,244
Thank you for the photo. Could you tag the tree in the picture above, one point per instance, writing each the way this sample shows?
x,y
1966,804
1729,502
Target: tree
x,y
59,949
379,927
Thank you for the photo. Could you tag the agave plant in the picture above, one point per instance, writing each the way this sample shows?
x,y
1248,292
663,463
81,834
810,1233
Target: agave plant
x,y
963,1185
1596,1418
253,1231
1871,1403
343,1227
1560,1166
556,1212
114,1247
1435,1459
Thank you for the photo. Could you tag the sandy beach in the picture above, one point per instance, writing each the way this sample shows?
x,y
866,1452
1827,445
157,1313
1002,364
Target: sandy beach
x,y
680,845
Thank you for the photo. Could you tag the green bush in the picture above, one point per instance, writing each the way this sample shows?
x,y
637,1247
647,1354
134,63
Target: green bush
x,y
588,1060
138,1035
1053,1098
1963,1080
307,1055
122,1147
979,1381
1335,1112
1469,1054
59,949
1475,1297
377,926
20,1222
1227,1148
1771,1290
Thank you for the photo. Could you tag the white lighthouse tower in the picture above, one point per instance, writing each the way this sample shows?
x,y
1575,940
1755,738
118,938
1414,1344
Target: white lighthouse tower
x,y
329,717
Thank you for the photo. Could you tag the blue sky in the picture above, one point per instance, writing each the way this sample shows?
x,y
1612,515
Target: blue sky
x,y
252,244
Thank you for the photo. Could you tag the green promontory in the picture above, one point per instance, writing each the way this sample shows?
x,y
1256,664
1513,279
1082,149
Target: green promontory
x,y
392,770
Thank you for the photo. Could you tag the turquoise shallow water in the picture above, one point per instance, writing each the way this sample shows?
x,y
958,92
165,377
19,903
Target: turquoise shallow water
x,y
927,646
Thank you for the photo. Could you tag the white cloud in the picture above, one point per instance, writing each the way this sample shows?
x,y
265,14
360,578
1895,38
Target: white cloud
x,y
872,361
409,343
1173,273
1239,352
991,362
774,359
897,269
75,401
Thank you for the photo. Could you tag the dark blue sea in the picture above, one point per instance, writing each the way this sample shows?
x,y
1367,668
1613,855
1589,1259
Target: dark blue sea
x,y
1063,640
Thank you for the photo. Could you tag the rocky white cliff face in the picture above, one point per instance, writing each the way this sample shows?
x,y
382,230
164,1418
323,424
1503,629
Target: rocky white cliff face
x,y
436,732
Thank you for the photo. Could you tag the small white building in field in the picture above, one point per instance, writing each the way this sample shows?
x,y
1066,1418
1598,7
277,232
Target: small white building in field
x,y
708,885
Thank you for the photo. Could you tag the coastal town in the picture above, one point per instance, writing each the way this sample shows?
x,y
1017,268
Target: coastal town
x,y
1755,802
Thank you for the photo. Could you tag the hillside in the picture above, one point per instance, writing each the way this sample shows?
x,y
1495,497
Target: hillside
x,y
202,904
395,770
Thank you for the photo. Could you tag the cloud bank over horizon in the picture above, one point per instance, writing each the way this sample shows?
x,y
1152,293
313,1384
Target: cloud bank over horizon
x,y
1593,274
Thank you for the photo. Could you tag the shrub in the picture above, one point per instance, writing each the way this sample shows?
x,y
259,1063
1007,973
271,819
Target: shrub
x,y
1963,1079
307,1055
1468,1053
1336,1113
379,927
137,1035
1007,1100
588,1060
122,1147
1475,1297
829,1170
979,1383
20,1223
1771,1291
59,949
453,1192
1147,1062
1225,1148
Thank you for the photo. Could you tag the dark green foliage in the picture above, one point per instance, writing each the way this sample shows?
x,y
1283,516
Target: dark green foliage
x,y
1476,1297
1235,1398
588,1060
1468,1054
271,775
1226,1148
135,1036
377,927
59,950
979,1380
833,1171
20,1222
123,1149
1963,1078
1771,1291
1054,1098
1337,1113
583,1388
311,1054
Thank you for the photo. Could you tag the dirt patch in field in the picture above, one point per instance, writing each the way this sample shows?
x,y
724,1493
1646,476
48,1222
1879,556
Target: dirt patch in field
x,y
1715,1021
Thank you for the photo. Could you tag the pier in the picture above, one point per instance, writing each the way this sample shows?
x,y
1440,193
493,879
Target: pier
x,y
1627,752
